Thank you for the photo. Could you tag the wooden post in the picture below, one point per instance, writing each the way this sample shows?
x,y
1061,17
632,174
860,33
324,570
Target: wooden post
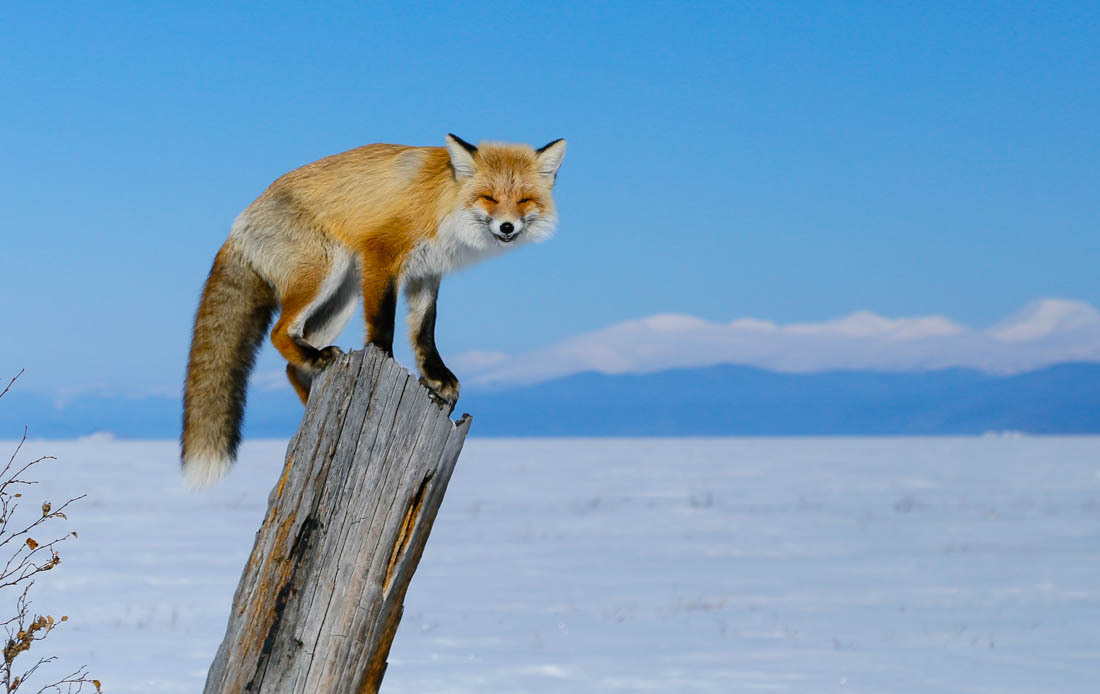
x,y
321,596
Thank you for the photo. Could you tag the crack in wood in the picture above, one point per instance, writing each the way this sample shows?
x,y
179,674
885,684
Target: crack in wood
x,y
412,513
320,599
295,557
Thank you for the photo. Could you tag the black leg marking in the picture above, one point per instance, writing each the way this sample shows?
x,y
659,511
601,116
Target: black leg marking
x,y
382,324
434,374
431,364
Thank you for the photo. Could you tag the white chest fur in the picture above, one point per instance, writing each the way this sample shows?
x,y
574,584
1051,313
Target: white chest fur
x,y
462,239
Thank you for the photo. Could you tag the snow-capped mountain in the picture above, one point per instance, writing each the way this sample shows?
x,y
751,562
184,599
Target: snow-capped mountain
x,y
1042,333
1047,318
680,375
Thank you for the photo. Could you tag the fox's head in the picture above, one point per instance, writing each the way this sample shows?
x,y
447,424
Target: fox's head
x,y
506,188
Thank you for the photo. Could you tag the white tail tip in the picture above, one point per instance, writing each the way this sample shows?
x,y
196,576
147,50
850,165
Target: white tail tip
x,y
204,470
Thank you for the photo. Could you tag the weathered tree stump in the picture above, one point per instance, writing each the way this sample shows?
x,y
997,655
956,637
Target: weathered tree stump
x,y
321,596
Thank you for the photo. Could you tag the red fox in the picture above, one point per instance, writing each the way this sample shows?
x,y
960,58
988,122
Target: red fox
x,y
369,221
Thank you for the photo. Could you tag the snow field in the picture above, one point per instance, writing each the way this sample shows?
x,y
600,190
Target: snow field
x,y
633,565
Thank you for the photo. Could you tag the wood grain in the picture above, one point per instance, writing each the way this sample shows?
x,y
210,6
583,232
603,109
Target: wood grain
x,y
321,596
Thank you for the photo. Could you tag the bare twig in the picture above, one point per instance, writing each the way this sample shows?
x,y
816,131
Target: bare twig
x,y
28,558
13,379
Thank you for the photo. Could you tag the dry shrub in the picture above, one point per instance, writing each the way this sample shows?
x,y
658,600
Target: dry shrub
x,y
25,558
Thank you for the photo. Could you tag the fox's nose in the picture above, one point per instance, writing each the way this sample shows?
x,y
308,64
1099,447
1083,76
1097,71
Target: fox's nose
x,y
506,228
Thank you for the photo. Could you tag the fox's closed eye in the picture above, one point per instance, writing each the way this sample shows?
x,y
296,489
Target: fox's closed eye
x,y
489,198
524,200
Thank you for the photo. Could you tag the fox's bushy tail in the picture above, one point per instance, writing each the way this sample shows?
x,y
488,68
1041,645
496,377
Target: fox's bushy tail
x,y
230,324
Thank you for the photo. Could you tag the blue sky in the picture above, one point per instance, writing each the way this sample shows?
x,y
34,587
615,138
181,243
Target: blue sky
x,y
793,161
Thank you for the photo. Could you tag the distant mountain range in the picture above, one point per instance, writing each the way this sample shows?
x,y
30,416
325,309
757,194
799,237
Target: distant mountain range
x,y
1037,371
716,400
738,400
1043,333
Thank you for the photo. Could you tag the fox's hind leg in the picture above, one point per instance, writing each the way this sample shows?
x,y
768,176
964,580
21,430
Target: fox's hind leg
x,y
314,311
422,294
325,323
300,381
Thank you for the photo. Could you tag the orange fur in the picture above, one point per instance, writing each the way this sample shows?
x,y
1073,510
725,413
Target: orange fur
x,y
357,223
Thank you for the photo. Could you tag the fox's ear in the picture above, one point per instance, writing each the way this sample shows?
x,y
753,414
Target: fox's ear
x,y
550,156
462,156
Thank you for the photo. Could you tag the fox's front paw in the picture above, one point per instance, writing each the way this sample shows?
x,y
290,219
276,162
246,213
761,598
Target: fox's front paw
x,y
443,390
324,357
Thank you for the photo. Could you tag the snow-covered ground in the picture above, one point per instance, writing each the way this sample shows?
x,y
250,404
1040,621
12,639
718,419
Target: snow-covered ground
x,y
604,565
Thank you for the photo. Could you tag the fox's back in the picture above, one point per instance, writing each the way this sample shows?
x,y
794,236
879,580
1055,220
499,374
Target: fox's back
x,y
363,188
